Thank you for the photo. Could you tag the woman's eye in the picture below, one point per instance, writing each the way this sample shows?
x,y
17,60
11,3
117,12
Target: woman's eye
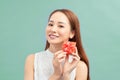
x,y
61,26
50,24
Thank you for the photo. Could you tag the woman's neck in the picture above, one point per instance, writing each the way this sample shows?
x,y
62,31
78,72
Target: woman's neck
x,y
55,48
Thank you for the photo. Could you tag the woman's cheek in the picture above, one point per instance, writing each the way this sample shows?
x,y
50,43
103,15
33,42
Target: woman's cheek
x,y
65,35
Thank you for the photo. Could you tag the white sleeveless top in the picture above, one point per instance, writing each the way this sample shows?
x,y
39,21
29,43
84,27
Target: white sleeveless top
x,y
43,67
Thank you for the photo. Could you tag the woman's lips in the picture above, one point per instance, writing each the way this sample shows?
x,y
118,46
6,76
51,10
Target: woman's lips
x,y
53,36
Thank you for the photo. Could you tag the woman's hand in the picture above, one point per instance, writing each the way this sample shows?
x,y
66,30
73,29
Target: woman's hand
x,y
70,66
58,60
62,66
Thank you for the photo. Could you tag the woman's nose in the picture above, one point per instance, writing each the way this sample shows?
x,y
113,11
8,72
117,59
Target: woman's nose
x,y
54,28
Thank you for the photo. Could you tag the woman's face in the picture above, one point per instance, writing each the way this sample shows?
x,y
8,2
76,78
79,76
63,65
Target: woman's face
x,y
58,29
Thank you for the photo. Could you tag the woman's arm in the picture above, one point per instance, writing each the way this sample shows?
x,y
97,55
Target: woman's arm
x,y
29,65
82,70
55,77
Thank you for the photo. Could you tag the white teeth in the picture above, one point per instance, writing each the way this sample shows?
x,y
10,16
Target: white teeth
x,y
53,36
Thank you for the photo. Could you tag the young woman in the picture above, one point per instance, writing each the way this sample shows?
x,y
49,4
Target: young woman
x,y
53,63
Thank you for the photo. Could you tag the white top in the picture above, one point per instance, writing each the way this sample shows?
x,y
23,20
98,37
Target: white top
x,y
43,67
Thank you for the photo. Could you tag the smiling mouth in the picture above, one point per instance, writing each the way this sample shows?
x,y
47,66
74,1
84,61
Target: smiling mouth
x,y
53,36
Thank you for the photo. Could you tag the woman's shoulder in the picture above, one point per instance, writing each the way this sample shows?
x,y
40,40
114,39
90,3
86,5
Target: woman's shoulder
x,y
30,58
82,70
28,69
82,64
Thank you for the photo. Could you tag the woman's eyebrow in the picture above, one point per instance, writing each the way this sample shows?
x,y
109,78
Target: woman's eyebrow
x,y
58,22
50,21
61,22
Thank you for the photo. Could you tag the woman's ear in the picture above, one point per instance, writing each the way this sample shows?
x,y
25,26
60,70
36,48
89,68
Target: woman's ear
x,y
72,34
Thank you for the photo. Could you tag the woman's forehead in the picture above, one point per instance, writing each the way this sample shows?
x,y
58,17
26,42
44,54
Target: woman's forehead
x,y
59,17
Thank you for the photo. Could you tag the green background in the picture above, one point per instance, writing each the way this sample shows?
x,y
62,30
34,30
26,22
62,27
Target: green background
x,y
22,32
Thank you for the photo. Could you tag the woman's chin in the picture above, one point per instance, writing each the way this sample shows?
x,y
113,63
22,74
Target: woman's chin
x,y
55,42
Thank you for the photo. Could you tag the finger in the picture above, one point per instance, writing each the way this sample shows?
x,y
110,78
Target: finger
x,y
76,51
61,60
75,57
58,52
75,60
67,58
61,55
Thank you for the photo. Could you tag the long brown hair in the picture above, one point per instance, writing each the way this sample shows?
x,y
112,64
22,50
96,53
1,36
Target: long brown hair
x,y
74,22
